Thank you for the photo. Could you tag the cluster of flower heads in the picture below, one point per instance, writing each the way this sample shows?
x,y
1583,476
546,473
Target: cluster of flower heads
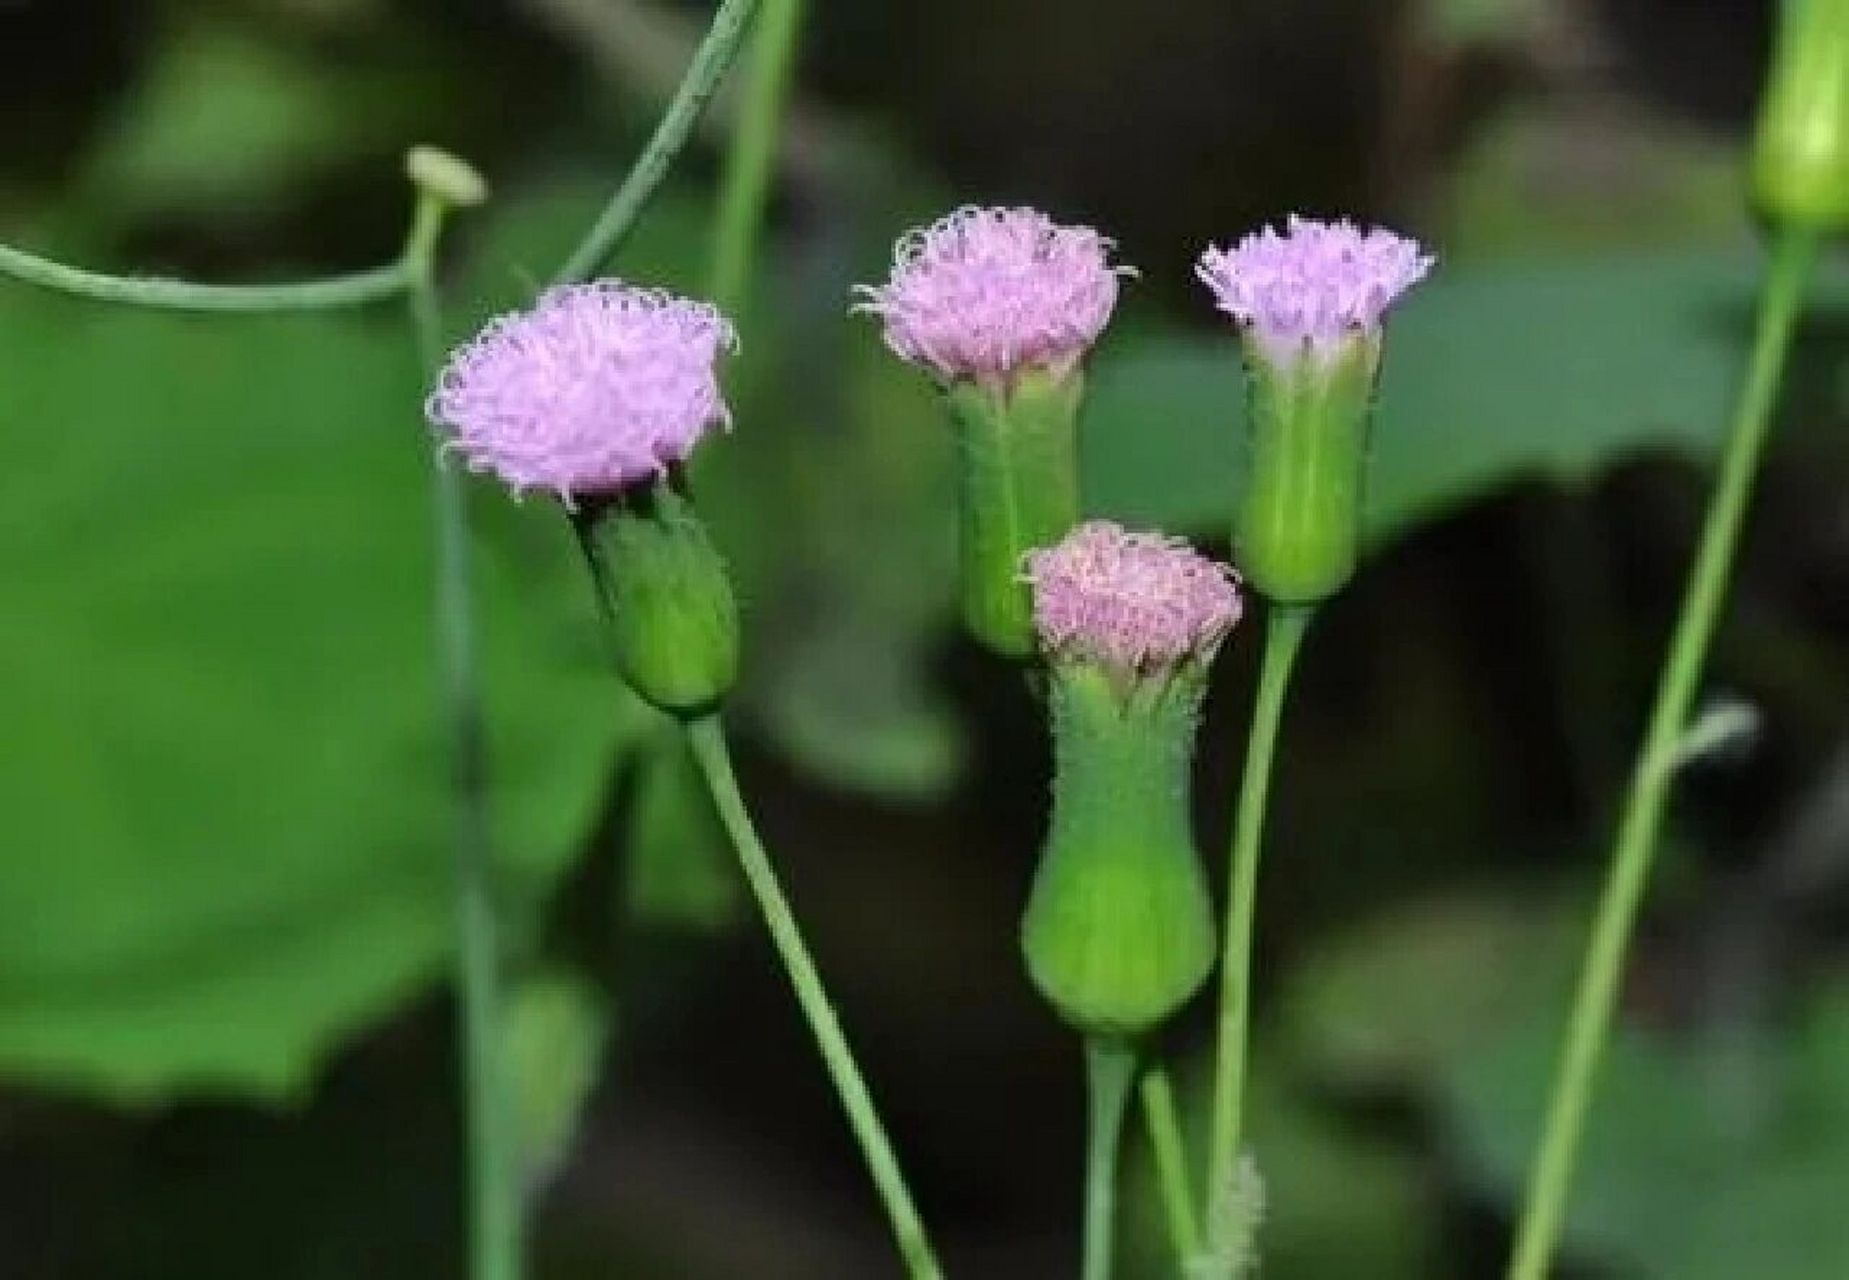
x,y
597,387
1131,601
981,294
1316,286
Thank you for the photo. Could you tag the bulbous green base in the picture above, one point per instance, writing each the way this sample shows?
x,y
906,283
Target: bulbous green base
x,y
1119,929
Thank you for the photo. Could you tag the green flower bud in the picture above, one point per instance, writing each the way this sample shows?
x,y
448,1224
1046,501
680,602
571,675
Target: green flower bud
x,y
1018,489
1119,927
1801,154
673,617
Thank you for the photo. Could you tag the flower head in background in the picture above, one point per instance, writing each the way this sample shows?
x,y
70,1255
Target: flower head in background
x,y
1314,287
598,387
1130,601
985,293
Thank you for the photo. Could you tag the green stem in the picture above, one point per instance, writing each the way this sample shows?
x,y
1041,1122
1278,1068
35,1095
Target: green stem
x,y
1284,632
1781,303
494,1183
1110,1066
1171,1156
707,738
353,290
704,74
745,190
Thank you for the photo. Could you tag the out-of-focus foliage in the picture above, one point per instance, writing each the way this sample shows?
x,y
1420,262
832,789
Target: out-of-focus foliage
x,y
224,768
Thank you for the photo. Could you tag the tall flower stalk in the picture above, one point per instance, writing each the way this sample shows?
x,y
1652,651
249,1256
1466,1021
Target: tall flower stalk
x,y
1800,189
1310,303
494,1189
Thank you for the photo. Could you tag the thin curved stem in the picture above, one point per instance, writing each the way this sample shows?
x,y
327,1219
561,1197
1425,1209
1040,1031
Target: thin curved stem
x,y
494,1191
704,74
707,738
1781,303
751,161
357,289
1171,1156
1284,631
1110,1067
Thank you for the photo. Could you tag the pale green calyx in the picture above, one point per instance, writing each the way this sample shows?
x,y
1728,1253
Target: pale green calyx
x,y
1018,489
1800,165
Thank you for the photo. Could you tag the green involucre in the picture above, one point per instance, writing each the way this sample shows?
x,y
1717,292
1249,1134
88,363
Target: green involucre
x,y
1298,531
1119,926
1018,490
1801,152
673,617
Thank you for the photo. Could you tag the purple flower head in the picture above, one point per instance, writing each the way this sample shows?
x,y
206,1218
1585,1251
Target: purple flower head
x,y
1316,286
981,294
599,386
1132,601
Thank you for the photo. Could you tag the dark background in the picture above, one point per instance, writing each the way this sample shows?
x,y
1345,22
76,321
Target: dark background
x,y
1453,750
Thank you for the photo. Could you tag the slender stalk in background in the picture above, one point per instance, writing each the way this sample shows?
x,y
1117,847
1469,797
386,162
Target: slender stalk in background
x,y
358,289
1171,1157
1284,630
751,161
1110,1068
1781,302
494,1191
710,63
707,737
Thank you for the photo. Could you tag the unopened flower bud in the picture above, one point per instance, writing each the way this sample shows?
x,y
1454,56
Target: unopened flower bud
x,y
1310,304
1119,931
1801,152
1000,307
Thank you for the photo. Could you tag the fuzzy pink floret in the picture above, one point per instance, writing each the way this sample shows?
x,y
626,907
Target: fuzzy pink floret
x,y
981,294
599,386
1317,285
1130,600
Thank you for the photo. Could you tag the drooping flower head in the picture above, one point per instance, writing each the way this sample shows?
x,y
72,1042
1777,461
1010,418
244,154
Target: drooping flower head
x,y
983,293
597,387
1313,288
1130,601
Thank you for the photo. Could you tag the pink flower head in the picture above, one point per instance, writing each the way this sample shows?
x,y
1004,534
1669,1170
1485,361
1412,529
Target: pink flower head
x,y
981,294
1313,288
1132,601
599,386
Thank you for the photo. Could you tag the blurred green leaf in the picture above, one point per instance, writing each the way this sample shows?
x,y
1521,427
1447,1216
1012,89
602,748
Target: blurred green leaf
x,y
1577,177
224,120
1666,1188
557,1028
1387,1005
225,772
680,869
1493,375
1474,21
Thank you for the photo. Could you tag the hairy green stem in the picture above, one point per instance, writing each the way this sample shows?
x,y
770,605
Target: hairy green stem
x,y
1171,1156
707,738
745,190
1781,303
704,74
353,290
494,1191
1110,1067
1284,631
